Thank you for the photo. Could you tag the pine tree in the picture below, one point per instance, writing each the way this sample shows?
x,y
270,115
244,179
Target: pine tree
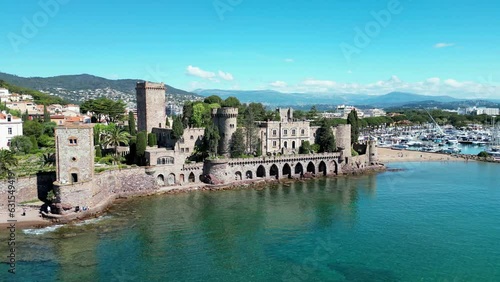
x,y
151,139
141,146
131,124
46,114
98,152
326,139
237,144
352,119
177,128
34,143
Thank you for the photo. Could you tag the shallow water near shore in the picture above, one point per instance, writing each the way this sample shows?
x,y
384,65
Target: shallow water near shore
x,y
426,222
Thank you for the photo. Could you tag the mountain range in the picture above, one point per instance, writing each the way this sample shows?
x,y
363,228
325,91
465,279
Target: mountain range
x,y
270,97
81,87
78,88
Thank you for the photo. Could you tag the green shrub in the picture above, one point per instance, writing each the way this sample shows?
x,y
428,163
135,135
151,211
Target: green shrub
x,y
106,160
483,154
354,152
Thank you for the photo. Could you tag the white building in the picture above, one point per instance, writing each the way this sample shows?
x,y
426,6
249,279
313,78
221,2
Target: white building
x,y
4,95
487,111
10,127
374,113
479,111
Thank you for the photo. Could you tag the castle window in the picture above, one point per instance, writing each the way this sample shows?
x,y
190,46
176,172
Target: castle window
x,y
165,160
286,144
74,178
187,150
9,118
274,143
293,132
73,141
231,125
302,132
73,159
285,132
274,132
191,137
9,130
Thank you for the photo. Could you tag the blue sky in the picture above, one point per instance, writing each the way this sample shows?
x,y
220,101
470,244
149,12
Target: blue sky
x,y
428,47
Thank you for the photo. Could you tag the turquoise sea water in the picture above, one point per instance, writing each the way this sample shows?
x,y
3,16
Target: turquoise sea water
x,y
428,222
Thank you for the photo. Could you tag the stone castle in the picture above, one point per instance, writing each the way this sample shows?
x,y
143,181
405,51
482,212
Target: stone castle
x,y
167,164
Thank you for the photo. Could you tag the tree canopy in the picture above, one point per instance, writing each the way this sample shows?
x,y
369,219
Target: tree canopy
x,y
103,107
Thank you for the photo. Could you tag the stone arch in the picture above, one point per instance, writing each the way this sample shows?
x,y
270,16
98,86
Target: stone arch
x,y
249,174
335,167
160,180
299,169
311,167
171,179
287,171
322,168
191,177
285,144
261,171
237,176
274,171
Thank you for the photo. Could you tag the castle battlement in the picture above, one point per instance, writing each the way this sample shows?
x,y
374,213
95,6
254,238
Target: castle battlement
x,y
150,85
225,112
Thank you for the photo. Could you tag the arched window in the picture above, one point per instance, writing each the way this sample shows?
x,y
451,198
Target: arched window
x,y
285,144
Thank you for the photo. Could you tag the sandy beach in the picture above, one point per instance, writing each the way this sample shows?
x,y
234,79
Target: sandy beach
x,y
31,219
386,155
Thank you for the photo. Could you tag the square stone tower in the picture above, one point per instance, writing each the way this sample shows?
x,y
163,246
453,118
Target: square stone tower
x,y
74,153
150,105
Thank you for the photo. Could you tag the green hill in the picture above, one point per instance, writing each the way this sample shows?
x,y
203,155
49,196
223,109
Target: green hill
x,y
81,87
39,97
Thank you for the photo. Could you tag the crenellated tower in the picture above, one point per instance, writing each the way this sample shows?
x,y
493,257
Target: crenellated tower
x,y
150,105
342,134
226,121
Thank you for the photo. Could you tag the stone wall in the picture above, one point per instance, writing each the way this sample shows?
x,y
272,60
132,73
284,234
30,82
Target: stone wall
x,y
107,186
27,188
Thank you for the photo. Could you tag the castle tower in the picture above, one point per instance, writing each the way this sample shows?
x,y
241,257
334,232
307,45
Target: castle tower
x,y
150,105
372,152
74,153
342,134
226,121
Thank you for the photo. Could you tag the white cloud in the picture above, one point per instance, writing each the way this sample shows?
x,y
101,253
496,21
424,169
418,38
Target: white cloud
x,y
226,76
319,83
433,80
278,84
289,60
453,83
431,86
443,45
196,71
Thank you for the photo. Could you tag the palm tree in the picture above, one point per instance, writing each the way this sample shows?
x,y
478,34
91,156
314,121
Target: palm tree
x,y
7,160
114,136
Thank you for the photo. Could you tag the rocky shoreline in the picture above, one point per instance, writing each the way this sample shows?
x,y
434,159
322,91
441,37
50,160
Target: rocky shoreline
x,y
47,219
